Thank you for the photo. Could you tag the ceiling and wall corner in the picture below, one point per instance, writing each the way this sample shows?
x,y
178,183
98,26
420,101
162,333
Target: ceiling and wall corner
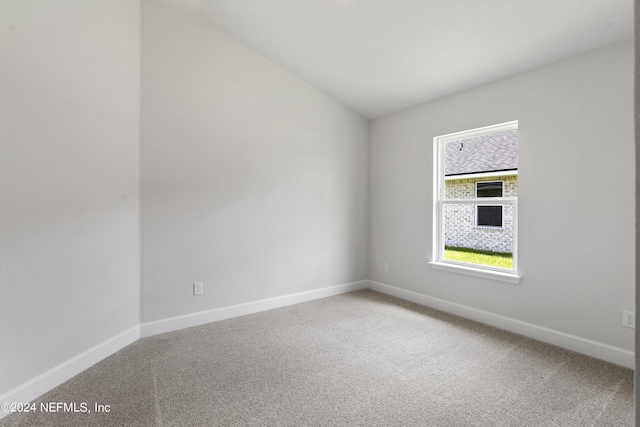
x,y
380,56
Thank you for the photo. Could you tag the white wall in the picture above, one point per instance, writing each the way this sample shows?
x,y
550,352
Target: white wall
x,y
253,181
69,178
576,195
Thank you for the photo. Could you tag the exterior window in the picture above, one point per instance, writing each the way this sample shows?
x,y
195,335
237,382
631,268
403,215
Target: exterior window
x,y
489,215
475,191
489,189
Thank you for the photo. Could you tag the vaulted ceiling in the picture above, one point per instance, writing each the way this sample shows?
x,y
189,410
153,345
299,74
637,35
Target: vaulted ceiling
x,y
381,56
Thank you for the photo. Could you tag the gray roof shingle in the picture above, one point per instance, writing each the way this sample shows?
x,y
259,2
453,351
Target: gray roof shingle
x,y
486,153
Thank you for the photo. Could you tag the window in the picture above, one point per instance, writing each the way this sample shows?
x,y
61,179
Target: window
x,y
489,189
489,215
476,202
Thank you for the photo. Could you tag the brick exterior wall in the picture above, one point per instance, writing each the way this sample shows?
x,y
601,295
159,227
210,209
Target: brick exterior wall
x,y
460,220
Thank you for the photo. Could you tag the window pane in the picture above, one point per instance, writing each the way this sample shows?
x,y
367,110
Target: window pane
x,y
490,216
486,153
477,164
489,189
465,242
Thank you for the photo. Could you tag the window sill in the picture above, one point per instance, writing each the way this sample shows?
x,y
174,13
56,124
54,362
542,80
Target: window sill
x,y
478,272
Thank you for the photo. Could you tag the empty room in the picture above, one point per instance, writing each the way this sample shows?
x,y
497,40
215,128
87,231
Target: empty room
x,y
317,212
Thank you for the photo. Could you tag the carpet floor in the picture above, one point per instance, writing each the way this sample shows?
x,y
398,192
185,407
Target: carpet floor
x,y
358,359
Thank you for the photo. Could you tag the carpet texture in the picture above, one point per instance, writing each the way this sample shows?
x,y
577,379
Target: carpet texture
x,y
358,359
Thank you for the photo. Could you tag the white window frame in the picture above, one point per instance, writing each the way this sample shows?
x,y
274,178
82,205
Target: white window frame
x,y
437,254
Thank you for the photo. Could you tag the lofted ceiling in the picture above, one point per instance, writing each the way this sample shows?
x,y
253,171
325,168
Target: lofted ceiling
x,y
381,56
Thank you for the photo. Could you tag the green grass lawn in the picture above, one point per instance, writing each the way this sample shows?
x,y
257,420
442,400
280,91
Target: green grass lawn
x,y
473,256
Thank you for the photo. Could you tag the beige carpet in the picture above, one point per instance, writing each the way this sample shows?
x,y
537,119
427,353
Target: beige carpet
x,y
359,359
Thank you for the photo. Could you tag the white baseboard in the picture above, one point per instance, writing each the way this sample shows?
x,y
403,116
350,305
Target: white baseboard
x,y
606,352
37,386
204,317
55,376
50,379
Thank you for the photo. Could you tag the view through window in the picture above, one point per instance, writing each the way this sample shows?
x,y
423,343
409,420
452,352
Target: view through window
x,y
476,194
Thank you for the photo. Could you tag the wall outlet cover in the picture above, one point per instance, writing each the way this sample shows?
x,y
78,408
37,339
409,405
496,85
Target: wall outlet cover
x,y
198,288
629,319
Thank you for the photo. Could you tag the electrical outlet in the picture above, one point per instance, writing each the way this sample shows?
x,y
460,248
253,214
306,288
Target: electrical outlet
x,y
629,319
386,267
198,288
